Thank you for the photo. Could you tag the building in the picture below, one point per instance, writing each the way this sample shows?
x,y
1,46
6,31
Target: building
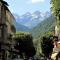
x,y
7,29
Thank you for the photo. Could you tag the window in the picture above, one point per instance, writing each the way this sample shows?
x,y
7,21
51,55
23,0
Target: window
x,y
0,13
0,31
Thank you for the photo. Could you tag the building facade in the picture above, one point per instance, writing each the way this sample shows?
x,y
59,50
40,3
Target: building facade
x,y
7,29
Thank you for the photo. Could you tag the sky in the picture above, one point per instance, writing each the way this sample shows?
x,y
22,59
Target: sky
x,y
21,7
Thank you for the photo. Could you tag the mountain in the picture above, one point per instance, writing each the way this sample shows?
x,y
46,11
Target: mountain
x,y
31,20
42,24
20,27
44,27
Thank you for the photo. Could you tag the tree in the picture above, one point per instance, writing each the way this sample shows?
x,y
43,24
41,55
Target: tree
x,y
55,8
47,46
25,45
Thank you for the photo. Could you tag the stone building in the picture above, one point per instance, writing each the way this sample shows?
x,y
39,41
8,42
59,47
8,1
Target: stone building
x,y
7,29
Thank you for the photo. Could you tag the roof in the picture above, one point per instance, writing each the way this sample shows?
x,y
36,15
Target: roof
x,y
4,2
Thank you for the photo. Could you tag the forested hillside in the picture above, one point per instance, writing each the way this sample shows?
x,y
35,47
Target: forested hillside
x,y
45,27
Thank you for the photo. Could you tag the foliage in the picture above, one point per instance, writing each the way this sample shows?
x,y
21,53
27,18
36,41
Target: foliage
x,y
55,6
47,46
45,28
24,44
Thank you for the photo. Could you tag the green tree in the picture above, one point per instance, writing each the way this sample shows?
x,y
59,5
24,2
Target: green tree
x,y
25,45
55,8
47,46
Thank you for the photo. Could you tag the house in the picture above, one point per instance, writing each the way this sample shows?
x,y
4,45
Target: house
x,y
7,29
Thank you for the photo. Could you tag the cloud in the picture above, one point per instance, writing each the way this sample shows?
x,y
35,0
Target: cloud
x,y
37,1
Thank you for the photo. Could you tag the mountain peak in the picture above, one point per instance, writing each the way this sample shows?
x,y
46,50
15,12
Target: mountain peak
x,y
31,19
37,12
